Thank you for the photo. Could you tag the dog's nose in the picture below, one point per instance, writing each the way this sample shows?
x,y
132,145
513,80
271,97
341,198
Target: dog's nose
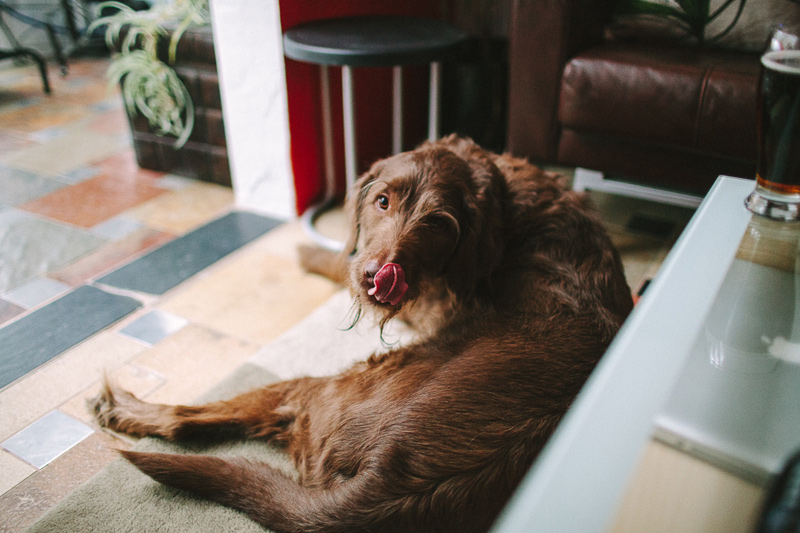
x,y
371,268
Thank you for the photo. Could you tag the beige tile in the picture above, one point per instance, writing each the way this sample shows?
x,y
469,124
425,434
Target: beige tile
x,y
14,471
252,295
638,255
50,113
671,491
64,153
192,361
282,241
637,271
180,211
68,375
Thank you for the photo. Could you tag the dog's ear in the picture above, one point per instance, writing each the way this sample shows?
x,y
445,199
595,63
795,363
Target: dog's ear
x,y
353,205
480,245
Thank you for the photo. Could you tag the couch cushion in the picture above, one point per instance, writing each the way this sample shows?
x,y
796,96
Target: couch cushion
x,y
657,165
698,100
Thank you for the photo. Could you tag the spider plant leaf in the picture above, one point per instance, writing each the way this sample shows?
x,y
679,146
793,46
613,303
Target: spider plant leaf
x,y
176,36
644,7
733,22
721,9
189,125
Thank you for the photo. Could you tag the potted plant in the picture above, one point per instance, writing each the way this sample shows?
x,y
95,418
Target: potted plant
x,y
150,86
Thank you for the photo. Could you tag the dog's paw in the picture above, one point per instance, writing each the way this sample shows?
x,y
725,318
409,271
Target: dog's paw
x,y
312,258
317,260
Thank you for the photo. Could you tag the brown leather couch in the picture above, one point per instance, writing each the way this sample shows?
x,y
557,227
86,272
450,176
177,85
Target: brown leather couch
x,y
665,115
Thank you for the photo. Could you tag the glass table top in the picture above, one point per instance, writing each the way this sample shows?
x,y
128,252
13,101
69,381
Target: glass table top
x,y
681,368
737,401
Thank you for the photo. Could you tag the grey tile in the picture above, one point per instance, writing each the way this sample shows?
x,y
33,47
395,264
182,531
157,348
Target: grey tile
x,y
38,337
31,247
174,182
154,327
46,134
36,292
78,175
117,228
22,103
47,438
20,186
178,260
108,104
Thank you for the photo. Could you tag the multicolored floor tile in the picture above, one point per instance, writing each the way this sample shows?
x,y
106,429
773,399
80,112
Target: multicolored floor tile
x,y
19,186
35,339
92,201
33,246
176,261
151,279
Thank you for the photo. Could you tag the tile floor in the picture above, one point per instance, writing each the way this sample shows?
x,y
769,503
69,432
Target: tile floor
x,y
85,236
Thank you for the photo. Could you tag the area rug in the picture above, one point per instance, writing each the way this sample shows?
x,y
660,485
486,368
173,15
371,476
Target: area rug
x,y
121,499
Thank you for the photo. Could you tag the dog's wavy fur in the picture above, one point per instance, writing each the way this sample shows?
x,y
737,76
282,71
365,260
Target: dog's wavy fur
x,y
516,291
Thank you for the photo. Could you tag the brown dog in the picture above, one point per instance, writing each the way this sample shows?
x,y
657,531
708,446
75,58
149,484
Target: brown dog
x,y
516,290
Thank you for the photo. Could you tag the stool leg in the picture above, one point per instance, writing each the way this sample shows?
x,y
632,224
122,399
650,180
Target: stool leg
x,y
434,101
397,110
327,133
349,126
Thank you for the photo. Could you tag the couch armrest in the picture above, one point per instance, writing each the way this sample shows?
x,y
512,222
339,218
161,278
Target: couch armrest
x,y
544,35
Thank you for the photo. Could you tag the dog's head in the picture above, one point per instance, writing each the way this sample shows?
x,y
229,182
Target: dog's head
x,y
429,219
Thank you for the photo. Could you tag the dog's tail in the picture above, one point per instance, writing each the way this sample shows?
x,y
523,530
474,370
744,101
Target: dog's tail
x,y
269,496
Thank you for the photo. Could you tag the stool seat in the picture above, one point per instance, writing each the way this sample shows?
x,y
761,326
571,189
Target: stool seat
x,y
372,41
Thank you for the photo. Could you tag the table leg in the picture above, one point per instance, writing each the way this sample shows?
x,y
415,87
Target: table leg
x,y
397,110
327,133
434,101
349,126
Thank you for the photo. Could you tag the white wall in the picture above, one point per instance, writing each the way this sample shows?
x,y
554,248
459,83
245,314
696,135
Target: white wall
x,y
247,40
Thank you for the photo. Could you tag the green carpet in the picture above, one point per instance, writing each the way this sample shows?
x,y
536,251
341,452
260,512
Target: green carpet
x,y
122,499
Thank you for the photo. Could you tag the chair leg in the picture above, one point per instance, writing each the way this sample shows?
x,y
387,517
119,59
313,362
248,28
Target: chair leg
x,y
51,35
40,62
42,68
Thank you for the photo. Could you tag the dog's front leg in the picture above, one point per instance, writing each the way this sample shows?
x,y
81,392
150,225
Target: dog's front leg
x,y
256,414
331,265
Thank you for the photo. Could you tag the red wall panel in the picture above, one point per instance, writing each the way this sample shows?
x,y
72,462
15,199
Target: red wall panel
x,y
373,95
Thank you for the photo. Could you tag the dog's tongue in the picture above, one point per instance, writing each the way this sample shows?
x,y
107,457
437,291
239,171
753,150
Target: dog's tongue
x,y
390,284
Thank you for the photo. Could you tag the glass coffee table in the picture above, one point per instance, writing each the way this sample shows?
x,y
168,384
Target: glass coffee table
x,y
696,403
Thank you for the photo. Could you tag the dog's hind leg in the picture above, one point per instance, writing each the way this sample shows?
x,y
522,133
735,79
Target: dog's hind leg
x,y
256,414
273,499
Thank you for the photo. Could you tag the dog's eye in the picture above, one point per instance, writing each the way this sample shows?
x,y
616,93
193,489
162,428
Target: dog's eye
x,y
383,202
437,222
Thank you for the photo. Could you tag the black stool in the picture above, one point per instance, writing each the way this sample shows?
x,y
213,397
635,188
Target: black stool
x,y
368,41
